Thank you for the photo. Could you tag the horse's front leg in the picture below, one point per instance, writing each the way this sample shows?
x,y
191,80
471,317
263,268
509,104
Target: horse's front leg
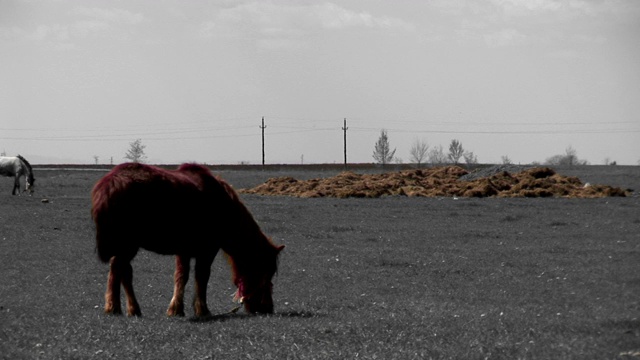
x,y
181,276
203,272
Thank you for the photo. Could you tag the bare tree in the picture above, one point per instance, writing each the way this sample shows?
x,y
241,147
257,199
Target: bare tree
x,y
569,158
571,155
96,158
555,160
456,151
419,151
382,151
136,152
470,158
608,161
436,156
506,160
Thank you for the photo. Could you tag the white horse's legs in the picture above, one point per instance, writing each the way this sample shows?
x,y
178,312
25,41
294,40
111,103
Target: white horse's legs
x,y
16,186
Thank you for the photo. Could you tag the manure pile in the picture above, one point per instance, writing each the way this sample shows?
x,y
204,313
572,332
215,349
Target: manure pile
x,y
438,182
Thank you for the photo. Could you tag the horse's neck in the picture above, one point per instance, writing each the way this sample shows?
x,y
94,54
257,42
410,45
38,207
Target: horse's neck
x,y
244,243
243,228
247,252
25,169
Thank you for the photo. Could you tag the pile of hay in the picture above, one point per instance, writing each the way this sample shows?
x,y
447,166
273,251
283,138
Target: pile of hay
x,y
437,182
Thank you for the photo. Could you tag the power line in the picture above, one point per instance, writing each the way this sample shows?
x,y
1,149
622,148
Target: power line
x,y
236,131
503,132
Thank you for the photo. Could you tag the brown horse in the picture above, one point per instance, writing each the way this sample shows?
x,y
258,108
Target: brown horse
x,y
187,212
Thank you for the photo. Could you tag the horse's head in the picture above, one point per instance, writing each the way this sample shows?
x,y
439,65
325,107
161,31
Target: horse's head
x,y
255,292
30,184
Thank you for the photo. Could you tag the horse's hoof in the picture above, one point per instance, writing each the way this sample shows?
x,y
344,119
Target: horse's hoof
x,y
174,313
175,310
112,312
203,314
133,311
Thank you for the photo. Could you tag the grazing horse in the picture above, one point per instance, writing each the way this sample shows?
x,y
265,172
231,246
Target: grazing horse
x,y
186,212
17,166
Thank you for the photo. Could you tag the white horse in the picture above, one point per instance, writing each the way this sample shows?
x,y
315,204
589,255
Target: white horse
x,y
18,166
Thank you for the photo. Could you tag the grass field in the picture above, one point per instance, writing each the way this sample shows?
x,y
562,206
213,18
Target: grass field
x,y
381,278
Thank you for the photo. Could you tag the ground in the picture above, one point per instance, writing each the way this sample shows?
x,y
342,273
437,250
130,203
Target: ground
x,y
392,277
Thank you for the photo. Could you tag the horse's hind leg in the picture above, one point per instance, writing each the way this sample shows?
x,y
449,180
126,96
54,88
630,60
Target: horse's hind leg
x,y
120,272
133,308
16,186
112,296
203,272
181,276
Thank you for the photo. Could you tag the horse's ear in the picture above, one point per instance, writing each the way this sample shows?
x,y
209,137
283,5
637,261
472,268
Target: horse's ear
x,y
280,248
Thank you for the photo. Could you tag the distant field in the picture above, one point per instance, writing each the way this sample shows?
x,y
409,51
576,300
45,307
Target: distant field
x,y
385,278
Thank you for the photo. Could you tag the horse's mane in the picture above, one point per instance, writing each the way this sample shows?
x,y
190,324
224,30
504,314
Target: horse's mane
x,y
212,182
25,162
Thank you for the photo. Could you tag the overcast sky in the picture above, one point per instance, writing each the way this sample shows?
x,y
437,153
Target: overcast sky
x,y
519,78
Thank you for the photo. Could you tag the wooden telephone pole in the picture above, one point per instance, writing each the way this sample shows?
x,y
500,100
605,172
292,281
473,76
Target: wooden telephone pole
x,y
263,127
344,128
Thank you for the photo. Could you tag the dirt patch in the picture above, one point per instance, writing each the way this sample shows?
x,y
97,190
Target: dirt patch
x,y
436,182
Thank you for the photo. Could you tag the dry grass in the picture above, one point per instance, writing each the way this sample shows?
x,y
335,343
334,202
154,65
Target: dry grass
x,y
437,182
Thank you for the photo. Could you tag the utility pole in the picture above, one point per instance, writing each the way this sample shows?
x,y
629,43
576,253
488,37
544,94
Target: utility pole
x,y
344,128
263,127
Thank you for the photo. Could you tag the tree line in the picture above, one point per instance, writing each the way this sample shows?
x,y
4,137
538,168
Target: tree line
x,y
420,154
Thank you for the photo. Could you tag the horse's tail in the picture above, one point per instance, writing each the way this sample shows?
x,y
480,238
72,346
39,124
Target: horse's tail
x,y
103,198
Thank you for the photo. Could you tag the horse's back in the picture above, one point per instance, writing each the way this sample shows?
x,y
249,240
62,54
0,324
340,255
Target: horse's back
x,y
137,205
9,165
